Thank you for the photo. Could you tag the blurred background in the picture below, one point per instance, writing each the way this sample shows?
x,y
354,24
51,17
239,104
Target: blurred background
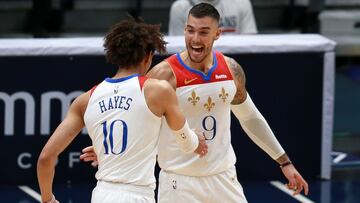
x,y
53,18
338,20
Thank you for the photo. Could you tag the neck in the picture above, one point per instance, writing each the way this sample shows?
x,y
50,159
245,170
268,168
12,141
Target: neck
x,y
203,66
122,72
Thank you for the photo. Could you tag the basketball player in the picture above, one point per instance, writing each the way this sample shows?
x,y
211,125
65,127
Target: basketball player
x,y
123,116
209,86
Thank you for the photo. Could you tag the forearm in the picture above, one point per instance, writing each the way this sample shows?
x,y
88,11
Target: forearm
x,y
45,173
257,128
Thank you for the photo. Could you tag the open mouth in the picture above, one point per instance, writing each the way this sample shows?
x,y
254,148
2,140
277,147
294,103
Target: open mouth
x,y
197,49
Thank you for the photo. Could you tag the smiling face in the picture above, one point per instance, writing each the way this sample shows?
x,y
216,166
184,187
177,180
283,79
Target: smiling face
x,y
200,34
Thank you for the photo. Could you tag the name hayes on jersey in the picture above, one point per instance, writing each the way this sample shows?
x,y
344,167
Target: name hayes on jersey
x,y
115,102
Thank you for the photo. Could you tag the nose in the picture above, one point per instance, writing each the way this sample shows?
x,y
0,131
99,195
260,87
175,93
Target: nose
x,y
196,37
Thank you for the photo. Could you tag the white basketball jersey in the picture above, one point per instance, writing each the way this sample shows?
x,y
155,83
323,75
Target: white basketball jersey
x,y
205,101
124,132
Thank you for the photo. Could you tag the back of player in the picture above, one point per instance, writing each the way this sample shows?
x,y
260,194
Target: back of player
x,y
124,134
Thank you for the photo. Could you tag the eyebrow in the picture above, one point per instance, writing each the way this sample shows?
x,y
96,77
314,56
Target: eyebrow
x,y
202,28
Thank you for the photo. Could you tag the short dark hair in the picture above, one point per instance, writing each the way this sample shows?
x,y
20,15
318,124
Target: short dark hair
x,y
128,42
204,10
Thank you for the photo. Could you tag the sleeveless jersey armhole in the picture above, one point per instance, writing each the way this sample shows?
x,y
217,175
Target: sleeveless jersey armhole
x,y
173,60
92,90
221,61
142,80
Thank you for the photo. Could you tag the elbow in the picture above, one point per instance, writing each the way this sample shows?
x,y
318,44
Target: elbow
x,y
46,160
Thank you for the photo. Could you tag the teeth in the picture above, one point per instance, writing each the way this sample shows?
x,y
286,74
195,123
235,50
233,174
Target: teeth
x,y
196,47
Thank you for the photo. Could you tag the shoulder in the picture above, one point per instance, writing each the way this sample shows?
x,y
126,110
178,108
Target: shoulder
x,y
158,93
162,71
239,78
235,68
158,88
80,103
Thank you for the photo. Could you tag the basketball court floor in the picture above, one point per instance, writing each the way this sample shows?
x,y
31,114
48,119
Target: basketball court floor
x,y
256,192
343,188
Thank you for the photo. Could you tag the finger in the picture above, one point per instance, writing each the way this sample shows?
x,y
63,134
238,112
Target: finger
x,y
303,183
298,188
202,137
200,155
87,159
85,156
306,188
203,153
94,164
288,186
88,149
292,184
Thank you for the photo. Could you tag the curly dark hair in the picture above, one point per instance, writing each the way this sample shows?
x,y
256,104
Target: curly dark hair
x,y
128,42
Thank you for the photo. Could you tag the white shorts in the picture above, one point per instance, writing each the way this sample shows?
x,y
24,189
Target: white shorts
x,y
223,187
107,192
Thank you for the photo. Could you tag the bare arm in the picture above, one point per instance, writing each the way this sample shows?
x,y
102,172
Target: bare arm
x,y
163,71
259,131
59,140
168,107
240,96
162,101
239,79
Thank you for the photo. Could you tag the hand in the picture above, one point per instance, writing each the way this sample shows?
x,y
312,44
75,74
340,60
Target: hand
x,y
296,181
89,155
52,200
202,148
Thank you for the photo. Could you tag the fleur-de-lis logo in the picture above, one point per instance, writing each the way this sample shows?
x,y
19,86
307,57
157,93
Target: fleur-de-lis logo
x,y
209,104
193,99
223,95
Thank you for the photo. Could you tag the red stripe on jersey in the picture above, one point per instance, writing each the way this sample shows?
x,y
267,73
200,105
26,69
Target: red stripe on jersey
x,y
142,80
185,77
92,90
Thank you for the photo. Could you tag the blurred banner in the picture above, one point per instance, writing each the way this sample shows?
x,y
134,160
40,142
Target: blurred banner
x,y
289,89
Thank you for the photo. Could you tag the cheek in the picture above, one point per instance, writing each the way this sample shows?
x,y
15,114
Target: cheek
x,y
208,42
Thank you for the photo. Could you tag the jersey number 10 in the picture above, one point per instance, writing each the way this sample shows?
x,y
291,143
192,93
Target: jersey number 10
x,y
111,137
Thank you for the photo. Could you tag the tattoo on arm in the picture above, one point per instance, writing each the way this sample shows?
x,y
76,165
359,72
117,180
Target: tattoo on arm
x,y
239,78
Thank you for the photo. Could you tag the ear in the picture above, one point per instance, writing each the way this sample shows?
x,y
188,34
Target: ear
x,y
218,33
